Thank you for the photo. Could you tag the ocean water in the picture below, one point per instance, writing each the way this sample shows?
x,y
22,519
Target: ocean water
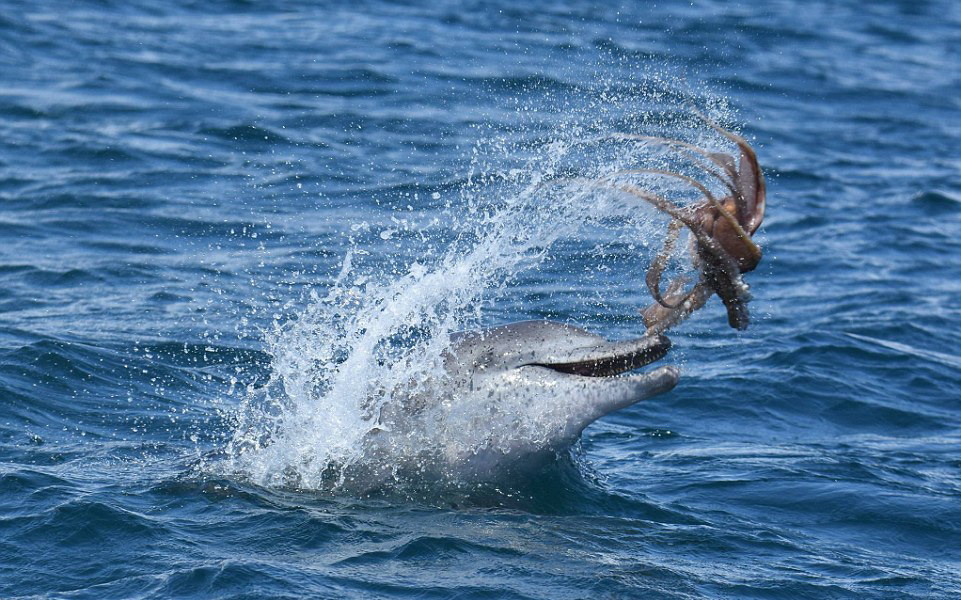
x,y
224,224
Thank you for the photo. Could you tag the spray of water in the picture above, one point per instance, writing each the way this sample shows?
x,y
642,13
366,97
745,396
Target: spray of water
x,y
373,342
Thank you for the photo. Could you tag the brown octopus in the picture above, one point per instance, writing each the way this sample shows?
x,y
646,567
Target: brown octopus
x,y
722,230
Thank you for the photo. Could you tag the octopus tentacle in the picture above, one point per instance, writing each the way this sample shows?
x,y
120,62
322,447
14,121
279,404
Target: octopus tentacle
x,y
659,319
653,277
687,179
720,159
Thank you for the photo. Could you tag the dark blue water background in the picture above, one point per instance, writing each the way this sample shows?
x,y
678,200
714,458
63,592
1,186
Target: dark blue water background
x,y
177,176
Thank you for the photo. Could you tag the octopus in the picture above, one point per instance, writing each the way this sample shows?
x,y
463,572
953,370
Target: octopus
x,y
722,228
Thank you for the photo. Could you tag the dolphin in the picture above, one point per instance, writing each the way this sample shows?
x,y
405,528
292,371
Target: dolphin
x,y
507,398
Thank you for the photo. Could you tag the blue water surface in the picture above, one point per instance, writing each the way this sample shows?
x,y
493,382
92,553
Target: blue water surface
x,y
176,177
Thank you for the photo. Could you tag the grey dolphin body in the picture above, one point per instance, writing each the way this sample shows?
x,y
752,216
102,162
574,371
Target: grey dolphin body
x,y
512,395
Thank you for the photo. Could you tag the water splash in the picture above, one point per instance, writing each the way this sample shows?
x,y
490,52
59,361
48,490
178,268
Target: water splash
x,y
376,337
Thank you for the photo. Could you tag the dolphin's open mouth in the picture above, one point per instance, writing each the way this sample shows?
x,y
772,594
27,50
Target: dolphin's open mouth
x,y
619,358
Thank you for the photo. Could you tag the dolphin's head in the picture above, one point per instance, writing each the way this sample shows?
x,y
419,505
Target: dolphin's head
x,y
557,379
510,398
